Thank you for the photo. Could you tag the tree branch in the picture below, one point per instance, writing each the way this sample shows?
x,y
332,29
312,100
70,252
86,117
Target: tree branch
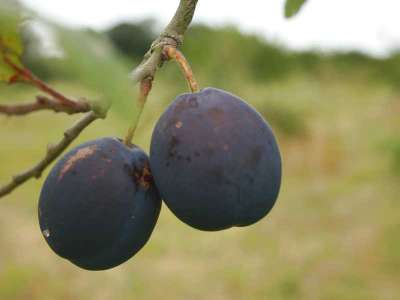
x,y
42,103
171,36
26,75
181,21
53,151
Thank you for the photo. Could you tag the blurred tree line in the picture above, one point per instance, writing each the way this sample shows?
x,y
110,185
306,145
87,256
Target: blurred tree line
x,y
255,57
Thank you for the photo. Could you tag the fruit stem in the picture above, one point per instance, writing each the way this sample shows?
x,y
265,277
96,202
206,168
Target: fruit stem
x,y
144,90
175,54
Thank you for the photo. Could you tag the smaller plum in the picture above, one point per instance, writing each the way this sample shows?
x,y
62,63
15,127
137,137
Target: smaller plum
x,y
99,206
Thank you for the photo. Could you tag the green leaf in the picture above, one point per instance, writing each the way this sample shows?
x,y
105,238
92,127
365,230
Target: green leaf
x,y
292,7
10,42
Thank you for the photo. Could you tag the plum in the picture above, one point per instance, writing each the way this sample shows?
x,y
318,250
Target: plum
x,y
215,161
99,205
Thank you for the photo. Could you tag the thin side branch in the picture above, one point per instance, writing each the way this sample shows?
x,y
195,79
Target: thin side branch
x,y
42,103
53,151
175,54
145,88
27,76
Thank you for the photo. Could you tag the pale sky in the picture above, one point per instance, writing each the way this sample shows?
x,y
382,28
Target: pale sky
x,y
372,26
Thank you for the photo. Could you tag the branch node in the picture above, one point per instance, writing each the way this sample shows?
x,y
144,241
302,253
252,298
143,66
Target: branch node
x,y
172,36
17,179
68,134
100,108
50,148
44,103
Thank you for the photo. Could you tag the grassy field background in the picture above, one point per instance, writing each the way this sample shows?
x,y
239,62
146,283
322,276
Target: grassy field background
x,y
333,234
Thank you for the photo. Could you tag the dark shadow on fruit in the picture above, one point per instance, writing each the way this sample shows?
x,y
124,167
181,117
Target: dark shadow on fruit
x,y
233,175
99,205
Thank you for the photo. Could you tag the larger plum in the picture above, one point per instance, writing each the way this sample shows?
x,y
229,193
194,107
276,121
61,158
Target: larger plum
x,y
215,161
98,205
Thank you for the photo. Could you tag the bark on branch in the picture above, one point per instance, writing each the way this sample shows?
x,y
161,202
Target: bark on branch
x,y
43,103
171,36
27,76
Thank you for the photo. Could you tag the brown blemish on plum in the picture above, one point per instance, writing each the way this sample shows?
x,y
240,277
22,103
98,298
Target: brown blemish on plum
x,y
113,150
255,156
79,155
106,158
226,147
185,104
217,115
172,153
143,177
179,124
174,142
172,122
193,102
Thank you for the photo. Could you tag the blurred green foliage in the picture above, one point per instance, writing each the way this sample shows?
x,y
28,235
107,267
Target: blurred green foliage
x,y
292,7
10,39
393,145
93,62
285,118
254,57
132,39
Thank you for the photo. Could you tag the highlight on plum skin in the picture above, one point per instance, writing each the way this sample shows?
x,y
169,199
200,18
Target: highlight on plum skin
x,y
99,205
215,161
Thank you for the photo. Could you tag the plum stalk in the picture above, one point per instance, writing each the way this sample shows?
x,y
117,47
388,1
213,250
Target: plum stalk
x,y
175,54
144,90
